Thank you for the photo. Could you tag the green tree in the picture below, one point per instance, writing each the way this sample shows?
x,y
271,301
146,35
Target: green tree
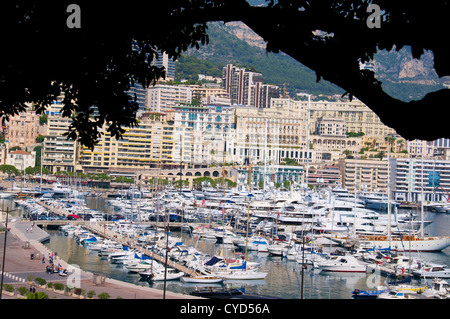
x,y
40,139
15,148
348,153
9,169
43,119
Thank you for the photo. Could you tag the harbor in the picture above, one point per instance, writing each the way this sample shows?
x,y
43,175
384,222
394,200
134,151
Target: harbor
x,y
257,246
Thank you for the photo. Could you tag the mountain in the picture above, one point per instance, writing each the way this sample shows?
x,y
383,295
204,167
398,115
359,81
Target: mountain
x,y
238,45
234,43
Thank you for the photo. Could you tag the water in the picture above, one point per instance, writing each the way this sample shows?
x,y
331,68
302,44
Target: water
x,y
284,277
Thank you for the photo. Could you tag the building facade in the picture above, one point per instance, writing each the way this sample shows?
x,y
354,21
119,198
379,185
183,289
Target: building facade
x,y
161,98
153,144
415,179
59,153
270,135
22,129
367,175
21,159
248,88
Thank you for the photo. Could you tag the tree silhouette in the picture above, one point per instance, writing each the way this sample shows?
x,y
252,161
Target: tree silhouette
x,y
115,44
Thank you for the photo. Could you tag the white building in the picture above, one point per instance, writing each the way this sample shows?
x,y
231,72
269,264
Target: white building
x,y
161,98
21,159
211,126
412,177
331,127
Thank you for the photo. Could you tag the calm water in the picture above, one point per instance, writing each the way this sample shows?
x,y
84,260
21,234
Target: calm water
x,y
283,280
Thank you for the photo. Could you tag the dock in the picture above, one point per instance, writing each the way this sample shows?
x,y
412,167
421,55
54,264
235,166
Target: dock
x,y
99,228
108,234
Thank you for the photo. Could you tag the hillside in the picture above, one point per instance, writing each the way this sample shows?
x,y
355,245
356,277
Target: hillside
x,y
226,48
402,76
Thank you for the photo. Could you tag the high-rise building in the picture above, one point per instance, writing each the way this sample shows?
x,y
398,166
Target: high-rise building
x,y
247,87
59,153
22,129
140,93
415,179
168,63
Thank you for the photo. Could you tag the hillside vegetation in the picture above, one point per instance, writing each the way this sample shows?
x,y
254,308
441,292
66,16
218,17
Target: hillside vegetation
x,y
402,77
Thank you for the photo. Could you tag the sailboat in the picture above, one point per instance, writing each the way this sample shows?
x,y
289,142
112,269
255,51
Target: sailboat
x,y
240,271
406,242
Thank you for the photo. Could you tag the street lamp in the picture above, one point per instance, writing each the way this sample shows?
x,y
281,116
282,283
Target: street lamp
x,y
4,252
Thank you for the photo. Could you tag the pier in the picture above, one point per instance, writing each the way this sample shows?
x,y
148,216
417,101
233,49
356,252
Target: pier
x,y
106,233
99,228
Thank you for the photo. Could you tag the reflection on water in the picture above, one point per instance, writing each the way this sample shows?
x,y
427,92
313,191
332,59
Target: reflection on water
x,y
284,277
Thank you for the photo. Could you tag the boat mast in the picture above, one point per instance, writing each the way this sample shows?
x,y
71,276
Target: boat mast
x,y
389,193
421,203
307,141
246,235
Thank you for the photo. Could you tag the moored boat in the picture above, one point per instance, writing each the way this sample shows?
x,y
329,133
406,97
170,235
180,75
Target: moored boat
x,y
204,279
406,243
342,264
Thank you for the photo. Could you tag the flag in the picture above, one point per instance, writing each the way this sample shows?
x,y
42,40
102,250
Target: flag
x,y
203,202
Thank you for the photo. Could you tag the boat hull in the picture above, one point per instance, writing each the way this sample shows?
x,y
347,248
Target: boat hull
x,y
431,244
202,280
242,275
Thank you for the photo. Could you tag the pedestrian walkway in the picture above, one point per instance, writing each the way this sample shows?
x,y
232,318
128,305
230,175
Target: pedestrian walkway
x,y
19,266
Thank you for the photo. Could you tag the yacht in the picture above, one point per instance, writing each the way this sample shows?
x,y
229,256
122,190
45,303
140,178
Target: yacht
x,y
342,264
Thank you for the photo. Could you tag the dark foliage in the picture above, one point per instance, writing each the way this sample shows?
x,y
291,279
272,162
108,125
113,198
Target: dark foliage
x,y
96,64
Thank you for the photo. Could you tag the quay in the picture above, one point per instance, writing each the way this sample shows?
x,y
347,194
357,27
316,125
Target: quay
x,y
20,244
99,228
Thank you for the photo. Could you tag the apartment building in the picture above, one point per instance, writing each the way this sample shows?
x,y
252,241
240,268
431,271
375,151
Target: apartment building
x,y
161,98
209,93
414,179
22,129
437,149
151,144
168,63
59,153
357,116
331,127
138,92
248,88
324,175
368,175
211,126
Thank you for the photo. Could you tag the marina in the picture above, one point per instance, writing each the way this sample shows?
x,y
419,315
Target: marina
x,y
307,245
